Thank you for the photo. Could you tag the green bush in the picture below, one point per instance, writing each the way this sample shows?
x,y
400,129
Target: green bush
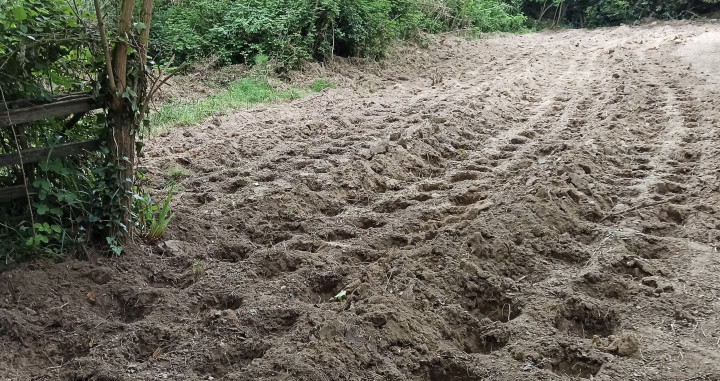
x,y
596,13
494,16
612,12
237,31
290,31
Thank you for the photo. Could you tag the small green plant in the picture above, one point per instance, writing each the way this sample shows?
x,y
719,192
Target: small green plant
x,y
340,296
42,234
321,84
198,269
175,175
161,220
150,218
114,246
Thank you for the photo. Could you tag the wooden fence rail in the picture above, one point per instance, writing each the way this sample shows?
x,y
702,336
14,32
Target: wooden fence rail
x,y
34,155
18,112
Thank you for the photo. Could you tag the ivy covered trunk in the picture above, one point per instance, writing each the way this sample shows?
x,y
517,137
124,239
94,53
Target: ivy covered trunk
x,y
121,142
128,86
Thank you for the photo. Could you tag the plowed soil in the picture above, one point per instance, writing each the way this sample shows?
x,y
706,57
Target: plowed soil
x,y
534,207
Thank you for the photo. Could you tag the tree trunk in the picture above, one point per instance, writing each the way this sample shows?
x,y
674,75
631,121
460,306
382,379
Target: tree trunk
x,y
125,104
123,123
122,151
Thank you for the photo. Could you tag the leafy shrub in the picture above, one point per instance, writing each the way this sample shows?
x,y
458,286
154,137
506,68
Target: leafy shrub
x,y
612,12
596,13
494,16
364,28
237,31
290,31
42,37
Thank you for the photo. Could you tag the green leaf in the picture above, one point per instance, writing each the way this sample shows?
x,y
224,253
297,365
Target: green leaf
x,y
42,184
56,228
42,209
70,198
19,13
339,296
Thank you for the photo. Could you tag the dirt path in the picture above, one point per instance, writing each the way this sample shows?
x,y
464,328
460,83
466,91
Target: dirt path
x,y
535,207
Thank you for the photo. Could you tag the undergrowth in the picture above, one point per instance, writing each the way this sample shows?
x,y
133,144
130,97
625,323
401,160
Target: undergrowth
x,y
291,31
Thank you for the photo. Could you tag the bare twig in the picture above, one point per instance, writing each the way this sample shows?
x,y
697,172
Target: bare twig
x,y
22,166
155,87
106,48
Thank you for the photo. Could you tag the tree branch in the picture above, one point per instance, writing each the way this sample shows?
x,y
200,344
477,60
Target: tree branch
x,y
121,46
146,16
106,49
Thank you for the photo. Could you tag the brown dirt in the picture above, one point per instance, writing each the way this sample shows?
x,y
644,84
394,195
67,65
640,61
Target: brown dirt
x,y
535,207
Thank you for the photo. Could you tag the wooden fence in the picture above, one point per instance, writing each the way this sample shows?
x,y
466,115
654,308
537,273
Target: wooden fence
x,y
14,114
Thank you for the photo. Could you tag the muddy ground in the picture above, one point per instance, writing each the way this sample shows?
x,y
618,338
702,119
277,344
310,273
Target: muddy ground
x,y
534,207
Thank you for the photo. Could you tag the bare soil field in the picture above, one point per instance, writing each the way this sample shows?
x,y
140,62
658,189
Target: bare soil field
x,y
528,207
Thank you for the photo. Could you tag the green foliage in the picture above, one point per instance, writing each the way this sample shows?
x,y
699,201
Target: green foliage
x,y
494,16
321,84
74,201
160,220
198,270
44,49
174,175
238,31
151,219
611,12
290,31
596,13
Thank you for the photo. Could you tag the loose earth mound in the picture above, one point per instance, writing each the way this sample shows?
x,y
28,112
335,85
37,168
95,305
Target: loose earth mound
x,y
535,207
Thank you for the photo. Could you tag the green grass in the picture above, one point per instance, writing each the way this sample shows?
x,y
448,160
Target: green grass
x,y
240,94
321,84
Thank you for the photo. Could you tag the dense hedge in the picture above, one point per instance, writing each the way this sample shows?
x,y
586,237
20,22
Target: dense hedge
x,y
295,30
596,13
